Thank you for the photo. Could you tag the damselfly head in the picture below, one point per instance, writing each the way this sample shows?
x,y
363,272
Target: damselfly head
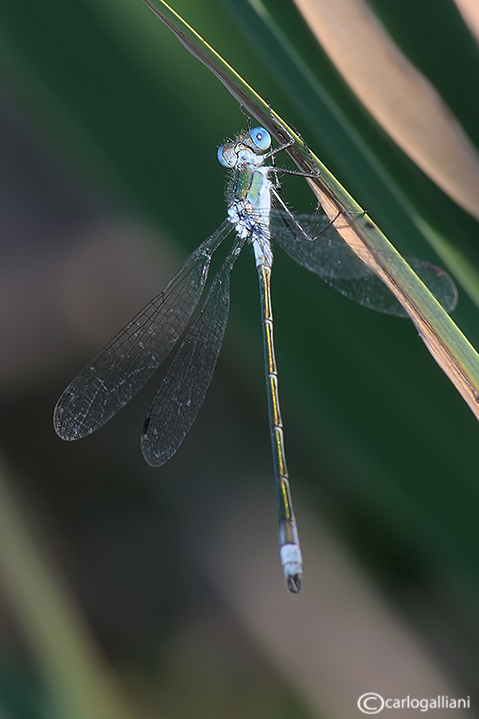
x,y
257,139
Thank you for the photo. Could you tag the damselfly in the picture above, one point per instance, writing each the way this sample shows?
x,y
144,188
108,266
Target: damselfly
x,y
126,363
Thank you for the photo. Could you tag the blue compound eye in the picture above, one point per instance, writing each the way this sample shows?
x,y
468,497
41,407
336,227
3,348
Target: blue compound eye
x,y
261,137
221,157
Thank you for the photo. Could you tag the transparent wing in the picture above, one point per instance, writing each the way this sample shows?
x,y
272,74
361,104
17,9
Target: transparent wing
x,y
329,257
126,363
183,390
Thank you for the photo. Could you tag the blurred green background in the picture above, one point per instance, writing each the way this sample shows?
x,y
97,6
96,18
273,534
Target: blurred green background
x,y
158,593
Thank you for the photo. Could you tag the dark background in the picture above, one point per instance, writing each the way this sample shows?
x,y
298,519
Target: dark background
x,y
160,591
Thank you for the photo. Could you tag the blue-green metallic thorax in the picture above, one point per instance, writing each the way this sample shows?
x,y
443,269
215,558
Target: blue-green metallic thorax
x,y
249,184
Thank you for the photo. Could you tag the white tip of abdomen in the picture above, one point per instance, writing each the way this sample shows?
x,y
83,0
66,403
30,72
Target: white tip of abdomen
x,y
292,562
